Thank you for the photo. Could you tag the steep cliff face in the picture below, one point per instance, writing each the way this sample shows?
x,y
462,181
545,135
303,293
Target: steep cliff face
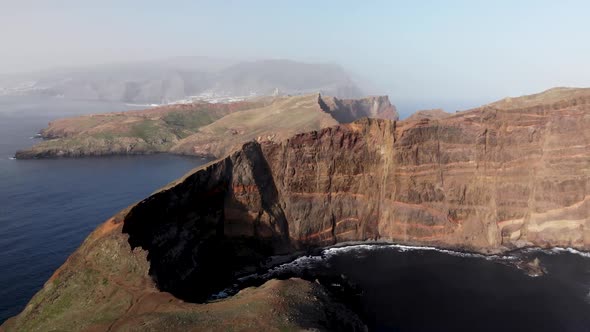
x,y
485,180
224,218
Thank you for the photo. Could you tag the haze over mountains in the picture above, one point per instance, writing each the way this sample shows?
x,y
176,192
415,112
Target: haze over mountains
x,y
170,80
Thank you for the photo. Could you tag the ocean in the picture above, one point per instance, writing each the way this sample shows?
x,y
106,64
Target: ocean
x,y
401,288
48,207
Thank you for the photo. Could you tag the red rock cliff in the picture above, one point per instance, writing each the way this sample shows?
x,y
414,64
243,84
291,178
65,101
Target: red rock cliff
x,y
486,180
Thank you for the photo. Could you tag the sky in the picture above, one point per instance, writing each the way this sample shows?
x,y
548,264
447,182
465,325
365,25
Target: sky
x,y
453,54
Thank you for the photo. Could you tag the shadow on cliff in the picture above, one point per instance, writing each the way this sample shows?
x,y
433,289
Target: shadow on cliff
x,y
184,231
270,200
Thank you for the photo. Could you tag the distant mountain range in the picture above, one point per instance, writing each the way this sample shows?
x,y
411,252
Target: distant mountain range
x,y
176,79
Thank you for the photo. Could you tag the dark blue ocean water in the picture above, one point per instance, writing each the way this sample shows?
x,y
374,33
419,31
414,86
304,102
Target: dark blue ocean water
x,y
48,207
399,288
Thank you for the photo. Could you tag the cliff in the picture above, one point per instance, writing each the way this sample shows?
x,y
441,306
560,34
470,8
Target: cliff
x,y
201,129
486,180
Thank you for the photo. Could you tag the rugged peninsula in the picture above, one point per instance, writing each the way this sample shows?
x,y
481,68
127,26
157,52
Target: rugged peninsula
x,y
201,128
503,176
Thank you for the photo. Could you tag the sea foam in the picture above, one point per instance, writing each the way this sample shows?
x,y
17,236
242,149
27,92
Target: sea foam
x,y
303,263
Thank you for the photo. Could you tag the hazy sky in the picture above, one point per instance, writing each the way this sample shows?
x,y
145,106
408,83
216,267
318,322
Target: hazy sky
x,y
441,51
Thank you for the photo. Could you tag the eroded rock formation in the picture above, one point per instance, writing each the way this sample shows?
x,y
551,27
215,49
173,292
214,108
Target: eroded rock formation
x,y
349,110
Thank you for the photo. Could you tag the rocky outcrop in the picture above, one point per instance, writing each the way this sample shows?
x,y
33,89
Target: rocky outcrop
x,y
349,110
486,180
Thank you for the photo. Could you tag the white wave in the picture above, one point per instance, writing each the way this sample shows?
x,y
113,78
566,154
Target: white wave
x,y
297,265
558,250
220,295
571,251
307,262
12,158
404,248
310,261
